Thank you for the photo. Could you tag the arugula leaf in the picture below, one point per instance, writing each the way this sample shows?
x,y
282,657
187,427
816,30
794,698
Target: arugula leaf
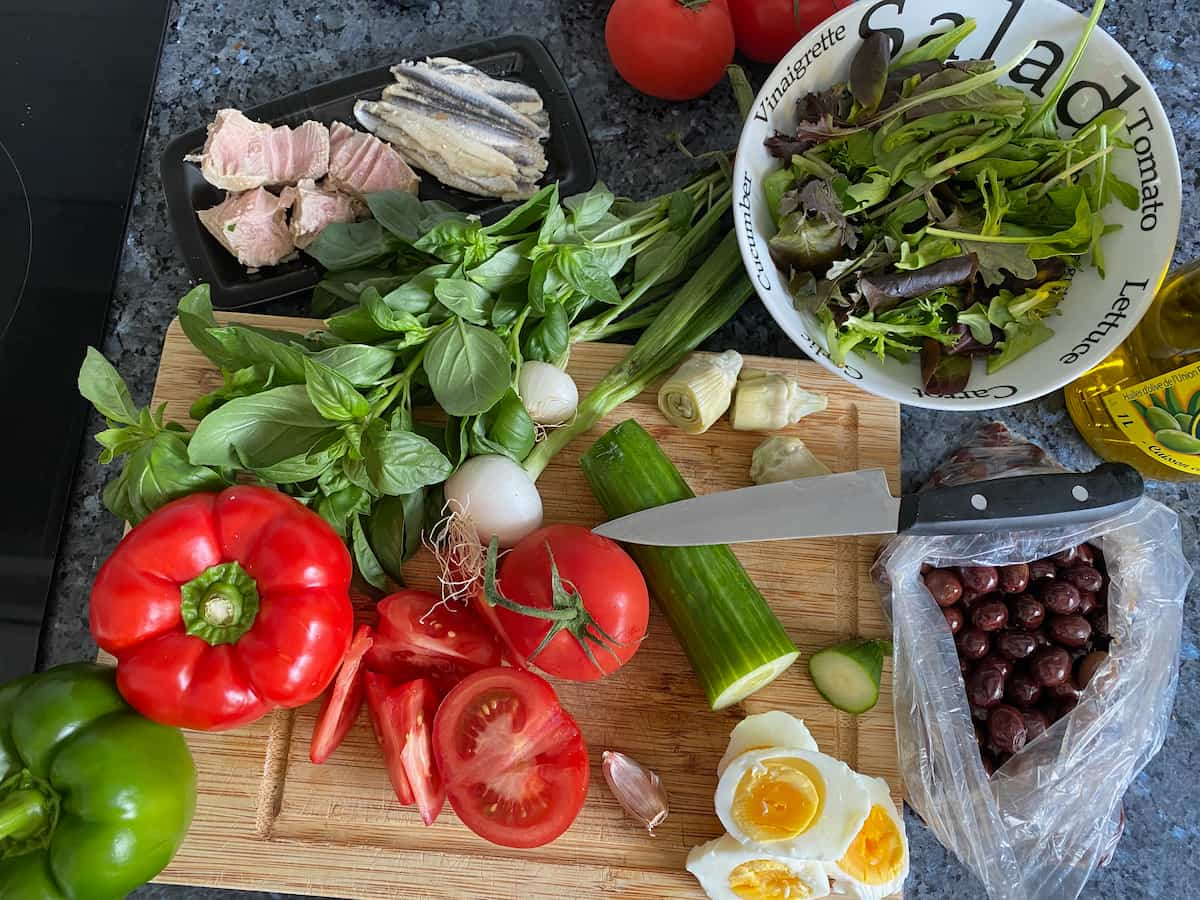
x,y
400,212
100,384
400,462
468,369
465,299
347,245
332,395
259,431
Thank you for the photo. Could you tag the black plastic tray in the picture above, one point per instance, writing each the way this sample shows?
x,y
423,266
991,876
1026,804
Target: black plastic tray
x,y
568,152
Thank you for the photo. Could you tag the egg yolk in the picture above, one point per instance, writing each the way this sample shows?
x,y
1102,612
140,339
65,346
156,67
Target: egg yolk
x,y
876,854
766,879
778,799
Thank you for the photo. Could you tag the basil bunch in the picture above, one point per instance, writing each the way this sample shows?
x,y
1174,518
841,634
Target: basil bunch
x,y
425,306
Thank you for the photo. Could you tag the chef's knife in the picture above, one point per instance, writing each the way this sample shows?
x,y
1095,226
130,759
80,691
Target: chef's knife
x,y
860,503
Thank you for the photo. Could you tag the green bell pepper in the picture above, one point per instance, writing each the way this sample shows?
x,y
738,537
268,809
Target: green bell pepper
x,y
94,799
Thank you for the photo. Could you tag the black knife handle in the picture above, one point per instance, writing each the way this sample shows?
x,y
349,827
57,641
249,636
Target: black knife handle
x,y
1027,502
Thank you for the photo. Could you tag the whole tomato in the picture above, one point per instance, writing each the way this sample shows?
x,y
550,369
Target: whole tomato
x,y
767,29
572,602
672,49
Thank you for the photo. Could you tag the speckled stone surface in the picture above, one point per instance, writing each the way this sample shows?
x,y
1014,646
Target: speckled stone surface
x,y
244,52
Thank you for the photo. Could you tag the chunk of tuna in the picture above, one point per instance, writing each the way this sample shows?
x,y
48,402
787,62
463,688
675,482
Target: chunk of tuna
x,y
360,164
240,154
314,207
252,226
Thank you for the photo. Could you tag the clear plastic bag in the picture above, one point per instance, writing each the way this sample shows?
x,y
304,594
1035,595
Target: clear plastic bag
x,y
1042,824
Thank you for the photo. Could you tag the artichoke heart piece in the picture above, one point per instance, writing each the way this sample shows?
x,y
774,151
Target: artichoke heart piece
x,y
767,401
700,391
784,459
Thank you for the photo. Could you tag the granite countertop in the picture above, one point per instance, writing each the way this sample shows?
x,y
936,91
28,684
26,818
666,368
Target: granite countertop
x,y
245,52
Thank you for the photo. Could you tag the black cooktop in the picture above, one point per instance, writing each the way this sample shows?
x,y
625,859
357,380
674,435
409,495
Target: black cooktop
x,y
75,86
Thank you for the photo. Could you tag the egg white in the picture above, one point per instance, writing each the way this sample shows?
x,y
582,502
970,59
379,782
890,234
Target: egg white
x,y
840,818
845,884
770,729
713,862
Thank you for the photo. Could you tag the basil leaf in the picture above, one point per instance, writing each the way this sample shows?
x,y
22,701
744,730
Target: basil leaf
x,y
505,429
355,324
399,212
416,295
250,347
581,270
100,383
355,470
393,321
242,383
360,364
399,462
457,439
554,223
656,255
394,529
306,466
259,431
195,314
680,209
509,266
155,474
468,369
540,277
509,305
365,559
549,340
613,259
523,217
332,395
465,299
337,507
345,245
449,239
587,209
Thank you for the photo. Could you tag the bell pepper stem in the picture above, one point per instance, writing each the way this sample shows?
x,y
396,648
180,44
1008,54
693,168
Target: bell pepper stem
x,y
22,814
219,605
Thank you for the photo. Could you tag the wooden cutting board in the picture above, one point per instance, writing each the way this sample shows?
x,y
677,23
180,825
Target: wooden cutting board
x,y
270,820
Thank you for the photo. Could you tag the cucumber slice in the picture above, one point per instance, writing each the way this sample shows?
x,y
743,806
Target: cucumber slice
x,y
848,674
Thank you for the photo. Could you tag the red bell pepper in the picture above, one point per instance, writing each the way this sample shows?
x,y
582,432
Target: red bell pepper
x,y
220,607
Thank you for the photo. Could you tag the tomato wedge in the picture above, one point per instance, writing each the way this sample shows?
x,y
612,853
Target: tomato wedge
x,y
414,706
343,701
513,761
381,706
416,631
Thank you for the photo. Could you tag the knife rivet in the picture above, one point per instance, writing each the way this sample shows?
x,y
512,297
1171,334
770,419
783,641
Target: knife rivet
x,y
1080,493
979,502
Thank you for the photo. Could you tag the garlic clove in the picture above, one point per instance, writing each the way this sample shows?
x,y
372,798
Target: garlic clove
x,y
639,791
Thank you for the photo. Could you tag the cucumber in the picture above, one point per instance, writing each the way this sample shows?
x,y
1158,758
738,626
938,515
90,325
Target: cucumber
x,y
847,674
734,642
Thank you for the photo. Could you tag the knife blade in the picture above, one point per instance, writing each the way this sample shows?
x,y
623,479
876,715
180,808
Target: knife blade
x,y
860,503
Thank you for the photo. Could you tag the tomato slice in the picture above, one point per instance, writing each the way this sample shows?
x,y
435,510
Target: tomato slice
x,y
381,706
414,706
513,761
416,630
343,701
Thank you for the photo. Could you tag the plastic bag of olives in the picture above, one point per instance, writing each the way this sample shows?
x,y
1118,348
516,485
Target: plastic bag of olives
x,y
1034,677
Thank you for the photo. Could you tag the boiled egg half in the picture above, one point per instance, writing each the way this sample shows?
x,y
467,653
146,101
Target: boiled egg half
x,y
729,870
769,729
876,863
792,802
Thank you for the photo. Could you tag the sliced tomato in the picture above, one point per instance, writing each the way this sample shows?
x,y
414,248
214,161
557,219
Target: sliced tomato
x,y
512,759
343,701
381,706
415,704
416,630
488,613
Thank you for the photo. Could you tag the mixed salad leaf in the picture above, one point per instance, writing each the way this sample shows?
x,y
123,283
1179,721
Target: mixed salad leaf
x,y
925,210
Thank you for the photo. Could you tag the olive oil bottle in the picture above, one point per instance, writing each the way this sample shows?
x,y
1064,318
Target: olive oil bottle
x,y
1141,406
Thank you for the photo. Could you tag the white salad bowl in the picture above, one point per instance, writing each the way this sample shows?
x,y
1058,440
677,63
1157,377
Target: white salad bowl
x,y
1097,313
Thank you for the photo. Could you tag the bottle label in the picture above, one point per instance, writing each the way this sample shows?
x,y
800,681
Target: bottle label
x,y
1162,416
